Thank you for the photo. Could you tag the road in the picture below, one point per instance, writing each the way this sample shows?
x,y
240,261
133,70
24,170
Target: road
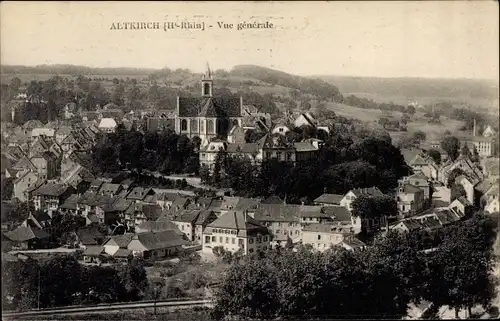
x,y
111,308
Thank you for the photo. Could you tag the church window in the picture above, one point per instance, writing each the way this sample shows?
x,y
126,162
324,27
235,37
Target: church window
x,y
210,126
184,124
194,125
202,126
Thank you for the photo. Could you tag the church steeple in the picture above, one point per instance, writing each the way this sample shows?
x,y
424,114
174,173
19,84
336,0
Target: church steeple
x,y
207,83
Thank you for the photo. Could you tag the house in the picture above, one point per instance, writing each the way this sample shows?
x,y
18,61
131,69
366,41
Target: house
x,y
156,226
468,185
338,215
165,200
138,194
461,206
236,135
208,153
95,254
50,196
305,119
313,214
46,164
485,146
490,200
47,132
89,236
421,181
282,221
185,220
24,183
28,238
350,196
489,132
138,213
491,168
61,133
352,243
109,189
463,163
23,165
328,199
148,245
40,220
324,236
107,125
425,165
207,116
234,231
410,199
281,128
78,177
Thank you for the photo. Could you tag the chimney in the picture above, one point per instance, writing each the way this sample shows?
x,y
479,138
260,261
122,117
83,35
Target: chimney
x,y
474,128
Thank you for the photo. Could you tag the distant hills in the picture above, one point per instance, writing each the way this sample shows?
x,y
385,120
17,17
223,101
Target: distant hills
x,y
481,93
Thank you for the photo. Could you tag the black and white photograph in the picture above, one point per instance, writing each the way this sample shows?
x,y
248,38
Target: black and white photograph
x,y
250,160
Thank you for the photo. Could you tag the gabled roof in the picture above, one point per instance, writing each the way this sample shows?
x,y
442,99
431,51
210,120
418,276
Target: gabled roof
x,y
89,236
273,142
273,200
411,189
329,199
304,147
160,240
26,233
337,213
51,189
370,191
209,107
278,213
25,163
139,193
107,123
94,251
237,220
157,226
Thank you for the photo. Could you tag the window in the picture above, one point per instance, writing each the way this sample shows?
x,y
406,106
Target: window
x,y
297,232
214,239
288,156
203,156
277,231
194,125
250,251
207,239
259,239
319,237
184,124
206,89
265,238
227,240
280,129
202,126
268,155
220,239
210,126
233,241
278,155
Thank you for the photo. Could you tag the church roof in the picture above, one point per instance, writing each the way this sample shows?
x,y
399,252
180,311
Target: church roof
x,y
209,107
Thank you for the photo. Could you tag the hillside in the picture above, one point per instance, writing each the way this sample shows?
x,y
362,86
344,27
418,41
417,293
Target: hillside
x,y
481,93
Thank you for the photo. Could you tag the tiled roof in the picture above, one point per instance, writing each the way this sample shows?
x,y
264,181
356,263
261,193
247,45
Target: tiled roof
x,y
187,216
371,191
122,253
160,240
209,107
329,199
278,212
94,251
247,148
304,147
89,236
411,189
338,213
237,220
26,233
51,189
157,226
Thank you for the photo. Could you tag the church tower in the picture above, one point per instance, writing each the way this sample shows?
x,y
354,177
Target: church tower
x,y
207,83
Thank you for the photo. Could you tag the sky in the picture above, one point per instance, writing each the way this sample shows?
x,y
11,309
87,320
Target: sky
x,y
447,39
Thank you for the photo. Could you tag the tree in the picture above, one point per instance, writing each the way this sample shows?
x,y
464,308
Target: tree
x,y
457,190
435,155
419,135
451,145
475,155
453,175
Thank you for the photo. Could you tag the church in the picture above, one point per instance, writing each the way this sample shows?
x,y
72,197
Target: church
x,y
207,117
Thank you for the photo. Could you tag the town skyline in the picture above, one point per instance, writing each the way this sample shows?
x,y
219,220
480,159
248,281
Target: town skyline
x,y
403,45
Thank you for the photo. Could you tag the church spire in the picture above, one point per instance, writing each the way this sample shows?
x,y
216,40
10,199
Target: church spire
x,y
206,83
208,73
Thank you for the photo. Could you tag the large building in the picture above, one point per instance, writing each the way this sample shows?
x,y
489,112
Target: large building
x,y
207,117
